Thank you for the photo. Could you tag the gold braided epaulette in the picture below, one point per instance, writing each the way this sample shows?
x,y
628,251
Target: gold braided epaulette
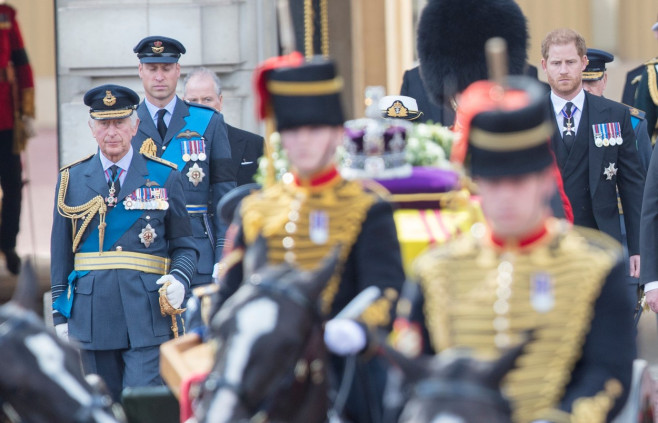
x,y
161,160
600,241
84,159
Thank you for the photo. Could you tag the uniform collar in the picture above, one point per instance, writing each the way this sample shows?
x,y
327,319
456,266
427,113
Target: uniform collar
x,y
559,102
153,110
533,239
123,163
319,180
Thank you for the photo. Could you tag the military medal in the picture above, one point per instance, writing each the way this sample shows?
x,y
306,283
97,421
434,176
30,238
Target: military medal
x,y
111,200
542,296
147,236
202,152
194,148
318,221
569,126
195,174
610,171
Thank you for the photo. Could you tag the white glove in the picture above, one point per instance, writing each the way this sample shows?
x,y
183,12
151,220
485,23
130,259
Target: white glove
x,y
62,331
175,291
344,336
215,271
28,125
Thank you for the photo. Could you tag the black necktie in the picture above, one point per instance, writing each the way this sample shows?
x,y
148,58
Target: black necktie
x,y
569,134
162,128
114,170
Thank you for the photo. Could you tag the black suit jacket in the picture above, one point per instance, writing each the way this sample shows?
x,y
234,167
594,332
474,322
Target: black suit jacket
x,y
629,178
246,149
412,86
649,224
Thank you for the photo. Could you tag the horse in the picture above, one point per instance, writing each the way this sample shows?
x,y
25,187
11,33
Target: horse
x,y
271,361
41,378
453,386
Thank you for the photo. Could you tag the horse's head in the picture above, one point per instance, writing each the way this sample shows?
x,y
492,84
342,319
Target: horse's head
x,y
40,375
455,387
269,340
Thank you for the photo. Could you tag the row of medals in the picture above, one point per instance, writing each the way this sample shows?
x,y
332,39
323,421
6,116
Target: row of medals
x,y
599,141
197,150
132,203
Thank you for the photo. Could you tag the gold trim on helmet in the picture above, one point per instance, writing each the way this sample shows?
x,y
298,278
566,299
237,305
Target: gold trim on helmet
x,y
310,88
511,141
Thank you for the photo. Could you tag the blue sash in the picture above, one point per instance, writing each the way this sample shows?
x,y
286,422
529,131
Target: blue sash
x,y
197,121
118,222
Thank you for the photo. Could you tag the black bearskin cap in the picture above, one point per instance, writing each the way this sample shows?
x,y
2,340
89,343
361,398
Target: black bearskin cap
x,y
451,39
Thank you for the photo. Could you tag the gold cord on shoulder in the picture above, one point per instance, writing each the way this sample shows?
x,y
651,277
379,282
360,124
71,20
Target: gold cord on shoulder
x,y
85,211
308,28
653,88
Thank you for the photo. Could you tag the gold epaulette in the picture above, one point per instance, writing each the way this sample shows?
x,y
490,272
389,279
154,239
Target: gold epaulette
x,y
161,160
651,82
84,159
600,241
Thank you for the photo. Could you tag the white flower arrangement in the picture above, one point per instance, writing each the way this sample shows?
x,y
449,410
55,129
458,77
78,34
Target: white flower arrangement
x,y
429,144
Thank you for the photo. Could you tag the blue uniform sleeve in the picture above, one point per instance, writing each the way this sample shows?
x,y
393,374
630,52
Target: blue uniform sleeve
x,y
182,248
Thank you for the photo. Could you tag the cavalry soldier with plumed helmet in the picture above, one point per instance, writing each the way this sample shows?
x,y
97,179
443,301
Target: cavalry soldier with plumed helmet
x,y
120,235
524,269
193,137
313,209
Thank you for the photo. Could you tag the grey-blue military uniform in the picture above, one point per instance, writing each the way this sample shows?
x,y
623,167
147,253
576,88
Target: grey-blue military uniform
x,y
202,198
117,308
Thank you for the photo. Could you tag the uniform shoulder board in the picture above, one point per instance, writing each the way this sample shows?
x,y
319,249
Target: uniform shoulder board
x,y
162,161
202,106
84,159
636,112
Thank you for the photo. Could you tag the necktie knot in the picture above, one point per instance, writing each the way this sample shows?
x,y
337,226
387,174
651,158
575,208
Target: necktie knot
x,y
567,109
162,127
115,172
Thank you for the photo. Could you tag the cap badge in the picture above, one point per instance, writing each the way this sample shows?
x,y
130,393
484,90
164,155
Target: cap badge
x,y
109,100
157,47
397,110
610,171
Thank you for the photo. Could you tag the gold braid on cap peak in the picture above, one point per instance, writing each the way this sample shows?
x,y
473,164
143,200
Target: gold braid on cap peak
x,y
85,211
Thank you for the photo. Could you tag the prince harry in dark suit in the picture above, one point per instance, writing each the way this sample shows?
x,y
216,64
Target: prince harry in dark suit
x,y
204,87
594,145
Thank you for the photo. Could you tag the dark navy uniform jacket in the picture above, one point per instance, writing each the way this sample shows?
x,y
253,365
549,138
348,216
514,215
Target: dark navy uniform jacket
x,y
593,192
219,179
119,308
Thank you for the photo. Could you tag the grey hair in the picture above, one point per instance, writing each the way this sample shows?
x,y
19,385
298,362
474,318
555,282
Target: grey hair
x,y
200,71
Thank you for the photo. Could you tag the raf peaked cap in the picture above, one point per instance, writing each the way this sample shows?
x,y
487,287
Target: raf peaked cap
x,y
509,132
451,39
157,49
111,102
596,64
308,94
